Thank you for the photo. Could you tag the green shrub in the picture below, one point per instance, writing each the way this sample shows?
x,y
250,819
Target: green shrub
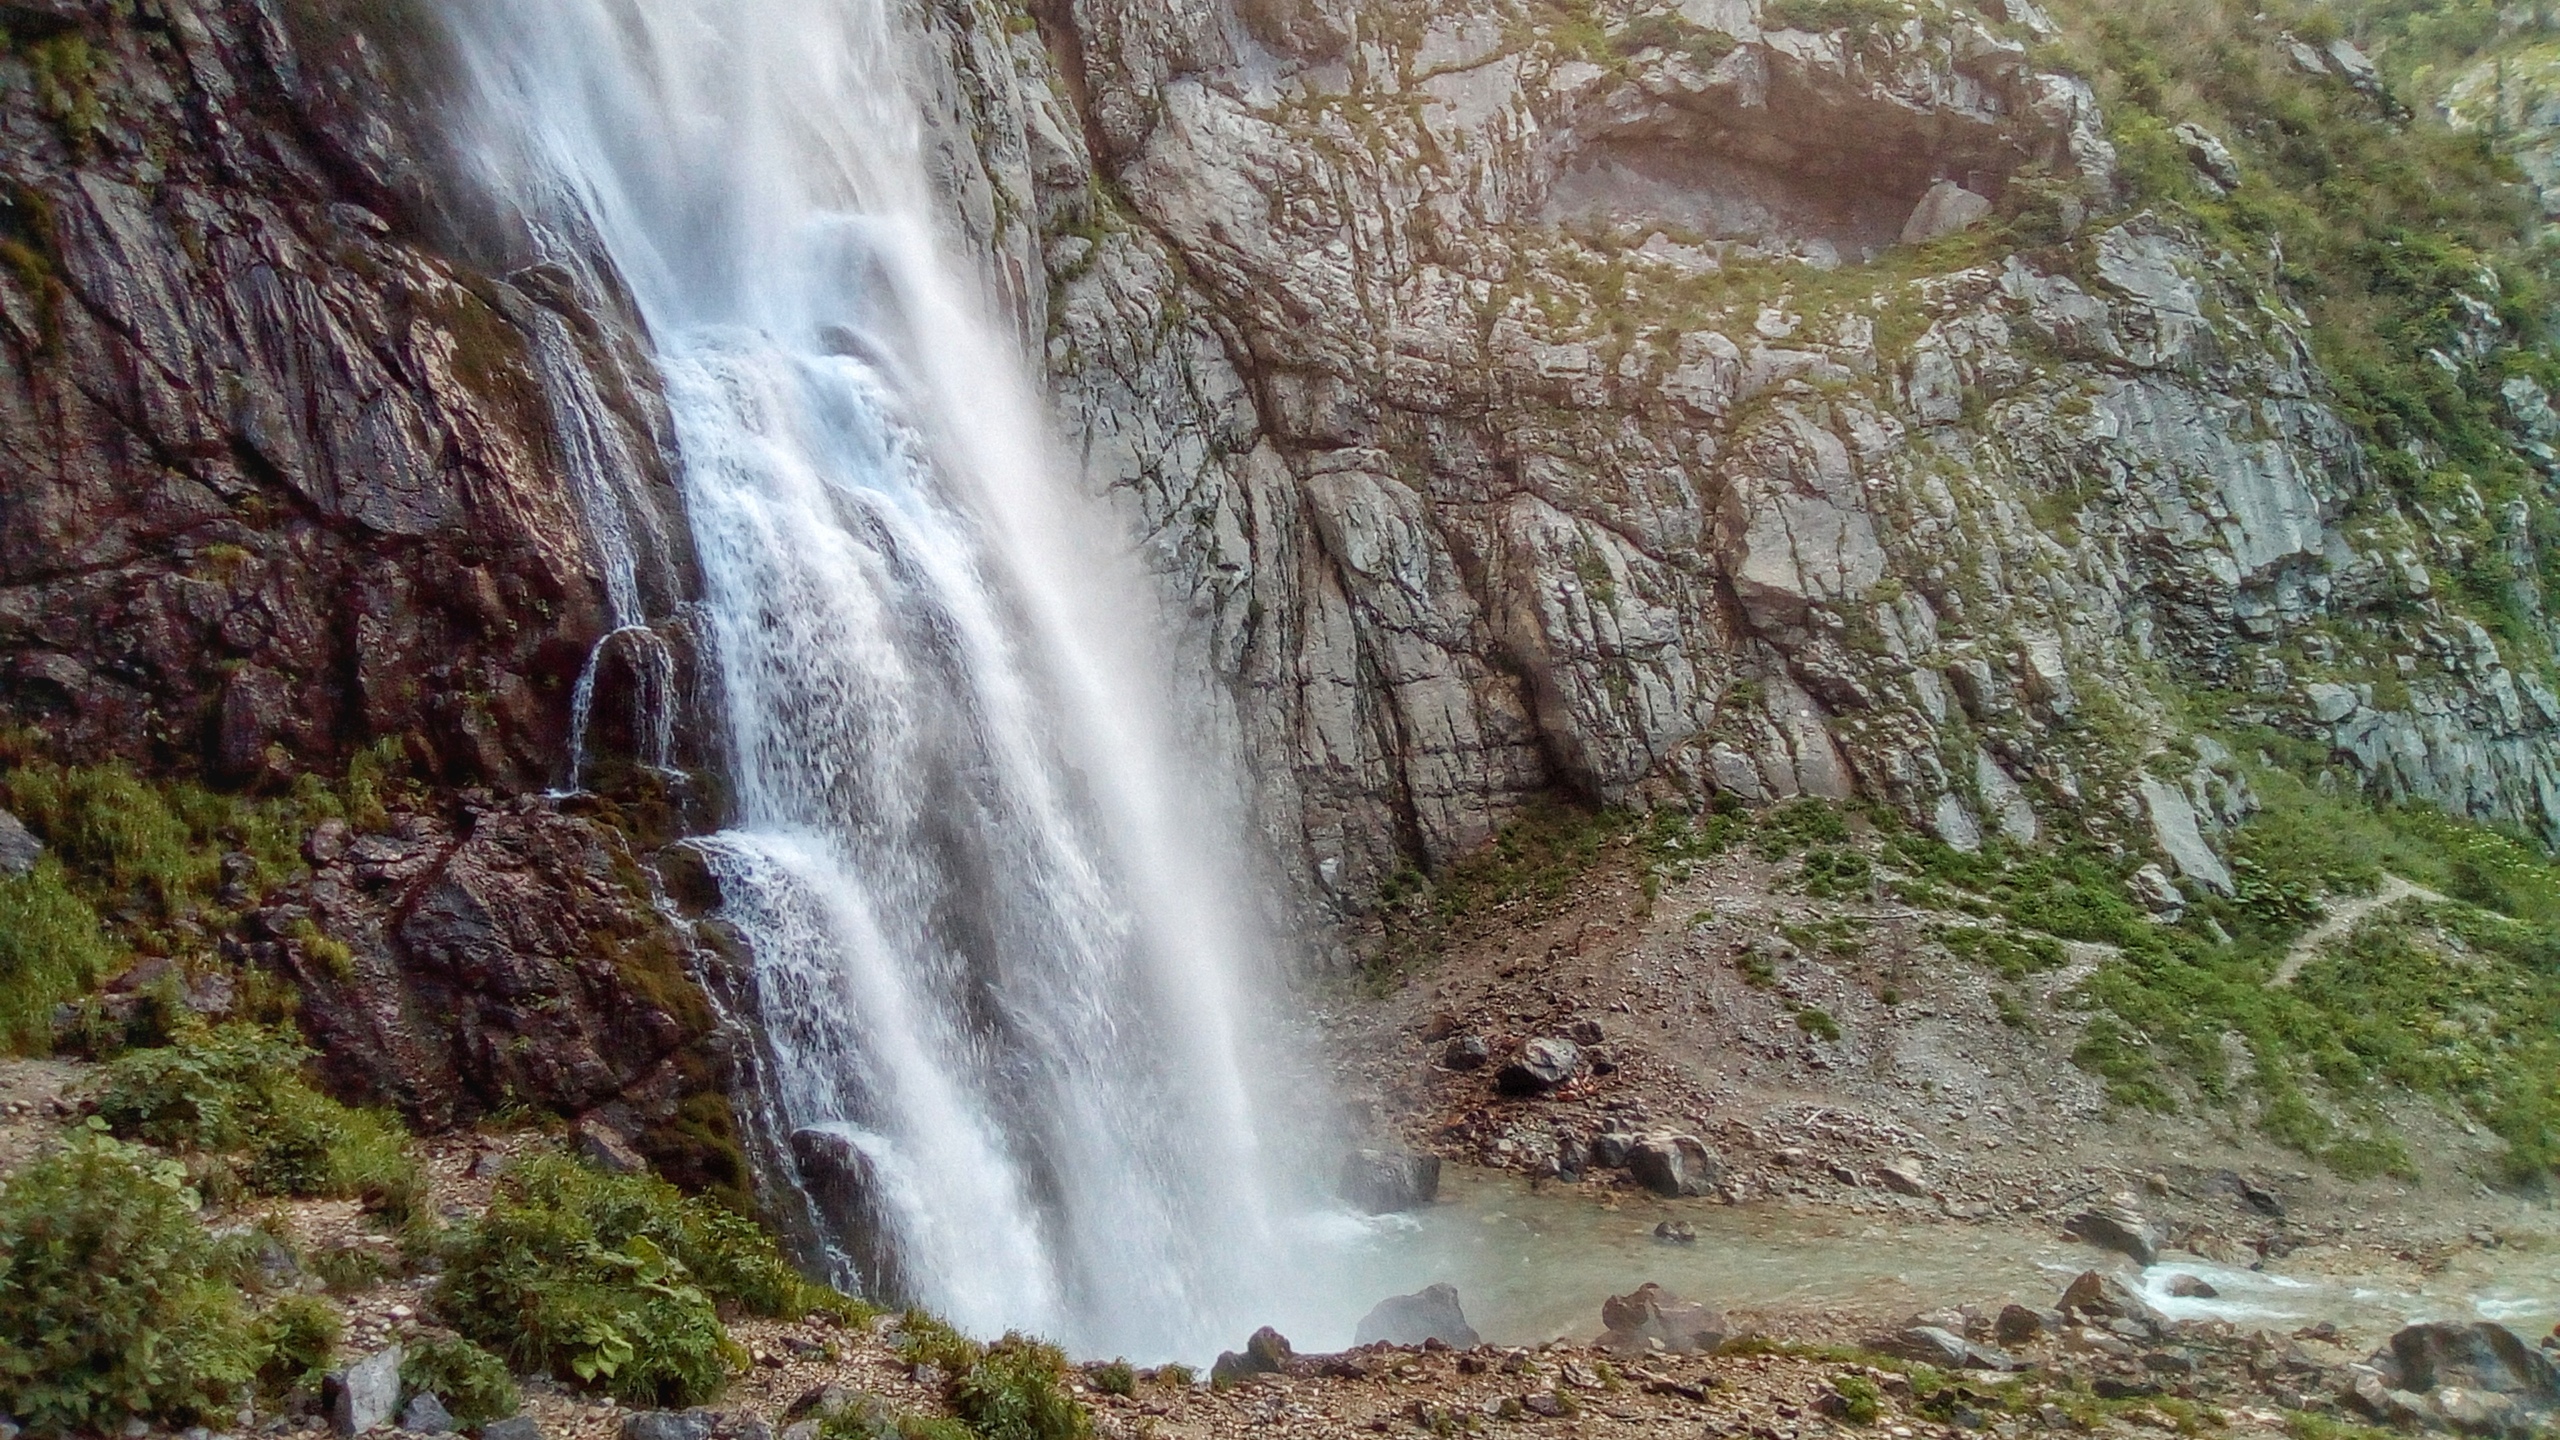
x,y
1017,1391
1818,1024
613,1279
350,1269
114,1300
473,1384
1177,1374
297,1335
924,1339
1114,1377
236,1092
1836,874
1861,1403
51,951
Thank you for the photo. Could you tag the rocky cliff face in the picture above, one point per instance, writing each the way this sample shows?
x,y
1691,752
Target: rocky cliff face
x,y
1513,398
282,477
1524,397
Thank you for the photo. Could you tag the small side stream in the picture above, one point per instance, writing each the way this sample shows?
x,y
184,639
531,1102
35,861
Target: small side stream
x,y
1533,1264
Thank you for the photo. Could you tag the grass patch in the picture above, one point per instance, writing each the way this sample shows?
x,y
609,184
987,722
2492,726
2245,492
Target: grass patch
x,y
1017,1391
52,950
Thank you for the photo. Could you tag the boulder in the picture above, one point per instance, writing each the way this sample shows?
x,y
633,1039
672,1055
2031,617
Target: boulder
x,y
1947,209
2108,1297
1944,1348
364,1396
1466,1052
2118,1228
2209,155
1652,1318
667,1425
1432,1313
1542,1065
601,1147
1673,1165
2017,1325
1675,1232
2482,1356
1383,1182
426,1415
1266,1353
2189,1287
1609,1148
514,1427
1904,1177
2155,892
18,848
2369,1396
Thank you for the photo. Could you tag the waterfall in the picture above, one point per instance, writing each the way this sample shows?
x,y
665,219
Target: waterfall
x,y
1001,971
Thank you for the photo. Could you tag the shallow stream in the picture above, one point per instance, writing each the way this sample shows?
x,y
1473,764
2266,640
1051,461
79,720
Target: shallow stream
x,y
1533,1264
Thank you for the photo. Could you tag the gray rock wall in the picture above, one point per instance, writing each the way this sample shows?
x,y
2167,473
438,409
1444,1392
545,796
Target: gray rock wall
x,y
1507,415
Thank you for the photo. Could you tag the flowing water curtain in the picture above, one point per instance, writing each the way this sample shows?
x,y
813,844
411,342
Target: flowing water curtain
x,y
1006,995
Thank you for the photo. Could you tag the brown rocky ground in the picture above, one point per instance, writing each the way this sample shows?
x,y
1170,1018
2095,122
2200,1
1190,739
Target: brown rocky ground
x,y
1936,1091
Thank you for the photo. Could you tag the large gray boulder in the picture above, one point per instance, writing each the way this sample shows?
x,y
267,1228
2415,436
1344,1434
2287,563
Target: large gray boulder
x,y
1432,1313
366,1395
1383,1182
2119,1228
1542,1065
1673,1165
1652,1318
18,848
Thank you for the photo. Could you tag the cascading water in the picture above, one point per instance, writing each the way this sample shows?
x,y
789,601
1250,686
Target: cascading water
x,y
998,961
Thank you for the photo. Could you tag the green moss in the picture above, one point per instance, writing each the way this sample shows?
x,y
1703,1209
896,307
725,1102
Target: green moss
x,y
65,68
1861,1403
1858,17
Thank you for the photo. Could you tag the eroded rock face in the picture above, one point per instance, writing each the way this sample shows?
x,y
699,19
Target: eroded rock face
x,y
513,956
276,476
1424,363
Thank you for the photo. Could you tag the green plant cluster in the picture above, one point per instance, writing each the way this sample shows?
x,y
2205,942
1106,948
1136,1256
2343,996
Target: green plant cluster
x,y
616,1280
473,1384
1675,34
114,1299
233,1097
1014,1389
2012,955
52,950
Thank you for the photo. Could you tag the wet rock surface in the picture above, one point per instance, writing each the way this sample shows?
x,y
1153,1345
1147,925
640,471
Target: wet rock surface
x,y
1432,1313
510,955
280,476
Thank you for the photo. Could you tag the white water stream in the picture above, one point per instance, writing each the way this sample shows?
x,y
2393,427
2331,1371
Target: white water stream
x,y
997,936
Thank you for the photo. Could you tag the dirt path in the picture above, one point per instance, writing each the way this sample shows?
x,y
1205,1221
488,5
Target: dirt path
x,y
2345,916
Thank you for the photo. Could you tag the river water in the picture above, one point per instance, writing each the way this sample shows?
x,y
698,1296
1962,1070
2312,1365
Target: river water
x,y
1534,1263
